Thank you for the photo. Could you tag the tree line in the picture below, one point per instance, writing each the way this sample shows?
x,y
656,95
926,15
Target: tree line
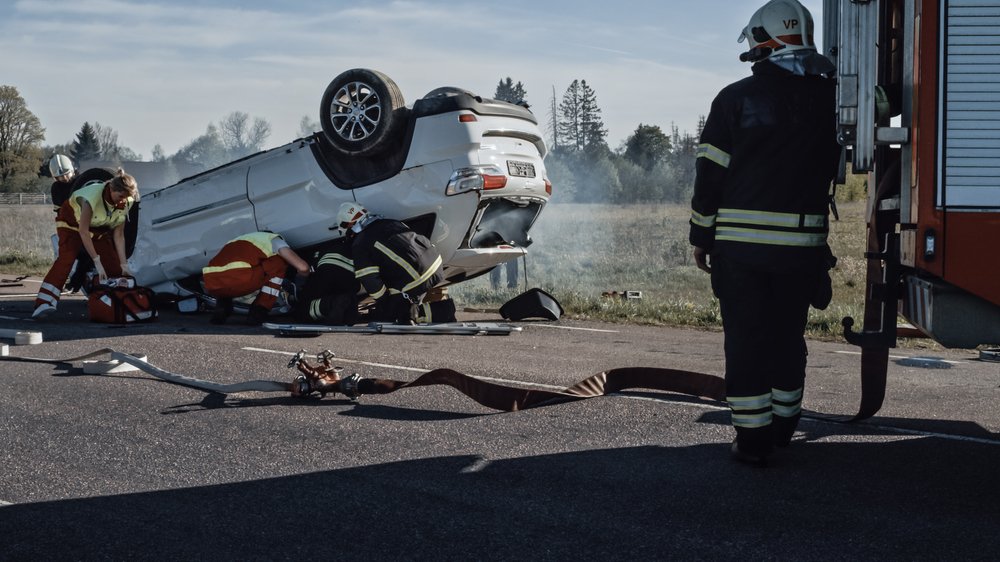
x,y
651,165
24,160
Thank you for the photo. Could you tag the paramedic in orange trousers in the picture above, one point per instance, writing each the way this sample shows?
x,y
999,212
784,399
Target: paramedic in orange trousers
x,y
255,261
93,218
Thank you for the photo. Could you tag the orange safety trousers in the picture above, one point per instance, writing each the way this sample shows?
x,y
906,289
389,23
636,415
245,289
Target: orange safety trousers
x,y
69,247
265,274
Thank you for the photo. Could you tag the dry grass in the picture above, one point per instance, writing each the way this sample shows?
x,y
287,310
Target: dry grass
x,y
25,239
582,251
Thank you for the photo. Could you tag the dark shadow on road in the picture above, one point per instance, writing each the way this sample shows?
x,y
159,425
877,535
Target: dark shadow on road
x,y
912,499
213,401
878,425
71,322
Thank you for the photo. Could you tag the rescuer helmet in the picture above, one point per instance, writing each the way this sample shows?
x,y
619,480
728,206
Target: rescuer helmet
x,y
60,165
778,27
349,215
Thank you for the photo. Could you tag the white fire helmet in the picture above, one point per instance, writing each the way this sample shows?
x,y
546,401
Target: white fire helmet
x,y
778,27
60,165
348,215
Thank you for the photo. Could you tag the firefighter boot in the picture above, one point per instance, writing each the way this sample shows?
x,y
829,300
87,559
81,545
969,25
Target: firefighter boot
x,y
747,458
257,315
784,429
223,308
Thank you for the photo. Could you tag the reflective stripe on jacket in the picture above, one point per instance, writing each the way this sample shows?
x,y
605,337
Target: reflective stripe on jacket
x,y
245,251
391,258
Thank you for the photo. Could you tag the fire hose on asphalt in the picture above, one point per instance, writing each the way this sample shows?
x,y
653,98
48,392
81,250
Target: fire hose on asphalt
x,y
323,377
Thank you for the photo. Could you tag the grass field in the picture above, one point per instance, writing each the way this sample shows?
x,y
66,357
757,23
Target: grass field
x,y
580,252
25,238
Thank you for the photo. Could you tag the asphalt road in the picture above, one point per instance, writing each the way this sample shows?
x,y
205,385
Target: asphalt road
x,y
126,466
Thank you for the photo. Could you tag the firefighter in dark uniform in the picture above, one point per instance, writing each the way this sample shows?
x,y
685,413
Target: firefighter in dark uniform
x,y
765,164
65,176
330,295
395,265
63,173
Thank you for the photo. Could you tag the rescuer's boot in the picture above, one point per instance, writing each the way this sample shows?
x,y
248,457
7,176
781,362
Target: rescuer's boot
x,y
257,315
747,458
783,429
43,310
223,308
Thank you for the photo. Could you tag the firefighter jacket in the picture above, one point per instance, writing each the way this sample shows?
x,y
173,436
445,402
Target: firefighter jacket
x,y
60,192
104,217
389,258
765,163
330,294
333,272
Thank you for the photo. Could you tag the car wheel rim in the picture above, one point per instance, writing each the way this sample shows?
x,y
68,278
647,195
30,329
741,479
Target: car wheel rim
x,y
355,111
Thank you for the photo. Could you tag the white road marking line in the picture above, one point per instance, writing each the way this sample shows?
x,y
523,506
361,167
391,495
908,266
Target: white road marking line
x,y
343,360
708,406
32,295
476,466
11,318
571,328
917,357
3,503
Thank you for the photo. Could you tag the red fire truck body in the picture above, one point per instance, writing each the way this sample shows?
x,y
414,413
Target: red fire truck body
x,y
919,112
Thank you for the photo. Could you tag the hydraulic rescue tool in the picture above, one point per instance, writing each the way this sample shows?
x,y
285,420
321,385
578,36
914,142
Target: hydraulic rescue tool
x,y
323,378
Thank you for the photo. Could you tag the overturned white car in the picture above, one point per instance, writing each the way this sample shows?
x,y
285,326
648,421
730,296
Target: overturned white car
x,y
465,171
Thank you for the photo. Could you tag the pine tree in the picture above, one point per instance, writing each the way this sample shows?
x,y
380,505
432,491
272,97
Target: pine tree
x,y
592,129
508,91
581,127
553,124
86,146
570,129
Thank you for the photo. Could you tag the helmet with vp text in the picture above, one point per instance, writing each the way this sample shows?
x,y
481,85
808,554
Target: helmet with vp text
x,y
777,28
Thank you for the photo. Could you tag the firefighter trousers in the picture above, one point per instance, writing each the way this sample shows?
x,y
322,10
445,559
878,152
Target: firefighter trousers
x,y
70,246
764,313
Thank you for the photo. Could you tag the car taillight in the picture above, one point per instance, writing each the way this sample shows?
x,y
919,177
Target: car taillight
x,y
475,178
491,181
467,118
548,187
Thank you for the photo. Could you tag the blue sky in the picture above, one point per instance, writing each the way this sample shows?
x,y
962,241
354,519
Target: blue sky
x,y
160,71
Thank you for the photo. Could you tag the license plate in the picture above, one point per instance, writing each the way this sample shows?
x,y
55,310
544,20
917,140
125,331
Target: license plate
x,y
521,169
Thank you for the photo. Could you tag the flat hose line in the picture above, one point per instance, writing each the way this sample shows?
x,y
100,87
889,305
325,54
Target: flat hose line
x,y
497,396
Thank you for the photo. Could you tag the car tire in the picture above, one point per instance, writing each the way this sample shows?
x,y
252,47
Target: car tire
x,y
362,112
92,174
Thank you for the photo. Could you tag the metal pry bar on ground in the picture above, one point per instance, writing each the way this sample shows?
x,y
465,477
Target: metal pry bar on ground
x,y
451,328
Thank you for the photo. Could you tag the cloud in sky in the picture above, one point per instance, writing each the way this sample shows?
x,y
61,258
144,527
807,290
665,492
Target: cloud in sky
x,y
160,71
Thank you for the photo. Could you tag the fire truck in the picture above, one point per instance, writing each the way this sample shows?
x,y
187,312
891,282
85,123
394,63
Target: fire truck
x,y
918,94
